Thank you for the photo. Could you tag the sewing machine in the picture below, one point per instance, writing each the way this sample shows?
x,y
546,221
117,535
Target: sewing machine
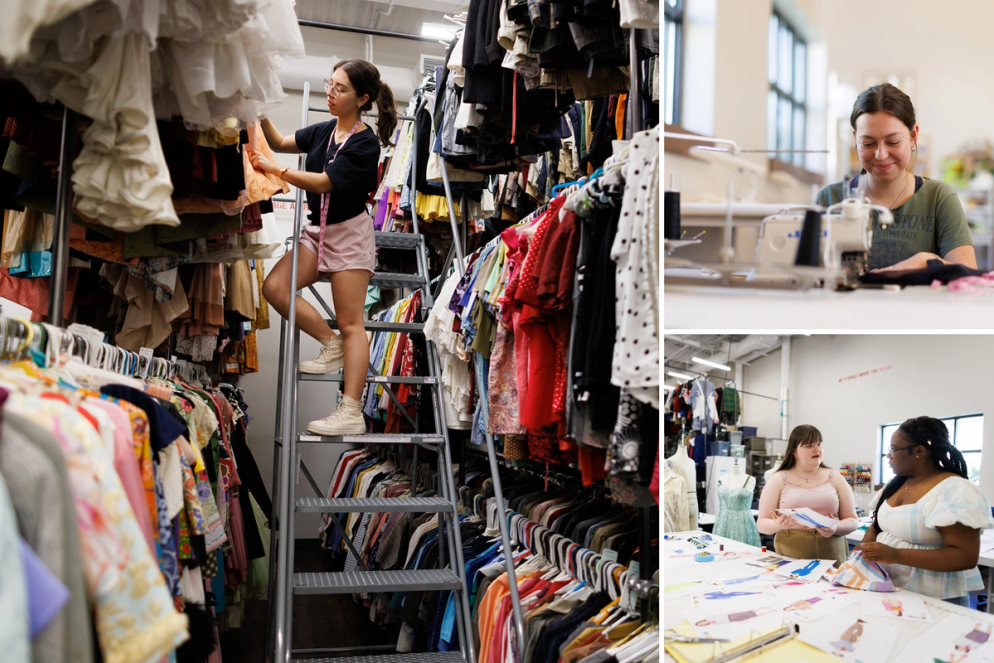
x,y
846,235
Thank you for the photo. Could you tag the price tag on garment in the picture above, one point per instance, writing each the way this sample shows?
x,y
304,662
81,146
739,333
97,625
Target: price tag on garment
x,y
146,365
633,568
610,555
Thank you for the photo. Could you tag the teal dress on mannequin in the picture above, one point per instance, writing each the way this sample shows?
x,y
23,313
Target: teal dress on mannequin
x,y
734,519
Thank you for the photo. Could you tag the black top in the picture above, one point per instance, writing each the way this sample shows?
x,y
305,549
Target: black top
x,y
353,172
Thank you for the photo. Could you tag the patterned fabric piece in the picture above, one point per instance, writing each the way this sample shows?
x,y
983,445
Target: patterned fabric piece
x,y
626,441
503,385
134,616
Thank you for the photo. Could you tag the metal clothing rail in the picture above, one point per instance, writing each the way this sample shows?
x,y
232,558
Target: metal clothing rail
x,y
63,218
365,31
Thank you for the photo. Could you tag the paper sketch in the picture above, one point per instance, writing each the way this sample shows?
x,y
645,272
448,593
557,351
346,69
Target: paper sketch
x,y
851,639
901,605
955,639
809,518
805,569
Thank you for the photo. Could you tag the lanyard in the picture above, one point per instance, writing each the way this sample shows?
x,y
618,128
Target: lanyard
x,y
325,196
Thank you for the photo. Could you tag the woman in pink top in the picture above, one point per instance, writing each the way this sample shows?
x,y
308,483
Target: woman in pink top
x,y
802,480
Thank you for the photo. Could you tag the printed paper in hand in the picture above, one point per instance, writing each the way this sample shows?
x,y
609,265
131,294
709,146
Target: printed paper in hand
x,y
955,639
809,518
901,605
852,639
808,570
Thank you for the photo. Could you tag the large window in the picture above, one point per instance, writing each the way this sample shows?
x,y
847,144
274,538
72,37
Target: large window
x,y
785,114
673,60
966,433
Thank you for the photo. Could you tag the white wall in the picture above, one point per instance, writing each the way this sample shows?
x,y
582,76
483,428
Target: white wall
x,y
938,376
949,53
398,61
725,86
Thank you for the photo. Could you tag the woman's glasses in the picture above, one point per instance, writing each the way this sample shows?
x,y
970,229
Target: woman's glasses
x,y
334,91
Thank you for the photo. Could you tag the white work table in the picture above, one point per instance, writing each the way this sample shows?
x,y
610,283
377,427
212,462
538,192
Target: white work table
x,y
684,571
914,307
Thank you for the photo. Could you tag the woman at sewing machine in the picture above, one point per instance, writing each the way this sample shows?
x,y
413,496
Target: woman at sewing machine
x,y
929,221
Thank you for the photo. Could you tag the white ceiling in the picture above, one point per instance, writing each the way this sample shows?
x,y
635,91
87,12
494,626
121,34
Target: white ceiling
x,y
727,349
405,15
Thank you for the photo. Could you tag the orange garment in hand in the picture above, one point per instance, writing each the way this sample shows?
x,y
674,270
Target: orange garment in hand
x,y
259,185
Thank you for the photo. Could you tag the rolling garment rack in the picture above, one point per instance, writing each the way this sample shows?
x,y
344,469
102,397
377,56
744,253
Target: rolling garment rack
x,y
284,583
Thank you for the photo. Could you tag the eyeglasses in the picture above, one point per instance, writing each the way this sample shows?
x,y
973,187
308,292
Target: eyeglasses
x,y
334,91
894,450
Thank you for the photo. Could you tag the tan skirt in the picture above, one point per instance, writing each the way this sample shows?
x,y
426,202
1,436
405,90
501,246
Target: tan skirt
x,y
802,544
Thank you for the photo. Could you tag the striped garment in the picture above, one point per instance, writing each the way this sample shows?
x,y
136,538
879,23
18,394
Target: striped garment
x,y
954,500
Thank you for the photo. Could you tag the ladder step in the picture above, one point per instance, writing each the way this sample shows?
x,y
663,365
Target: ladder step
x,y
426,657
373,505
397,240
372,439
374,581
394,280
389,379
378,326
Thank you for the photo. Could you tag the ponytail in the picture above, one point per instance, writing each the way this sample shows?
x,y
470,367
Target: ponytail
x,y
365,78
386,115
934,436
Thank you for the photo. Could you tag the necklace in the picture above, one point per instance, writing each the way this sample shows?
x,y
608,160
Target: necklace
x,y
907,487
900,195
806,479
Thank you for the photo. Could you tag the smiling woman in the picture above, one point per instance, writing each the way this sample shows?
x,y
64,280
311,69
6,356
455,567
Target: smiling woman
x,y
803,480
929,222
927,519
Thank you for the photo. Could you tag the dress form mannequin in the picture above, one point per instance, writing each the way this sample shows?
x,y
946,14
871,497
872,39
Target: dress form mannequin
x,y
736,478
686,468
770,472
735,521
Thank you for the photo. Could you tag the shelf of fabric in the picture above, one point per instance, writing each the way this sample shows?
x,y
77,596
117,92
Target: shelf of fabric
x,y
424,657
430,438
388,379
397,240
378,326
375,581
373,505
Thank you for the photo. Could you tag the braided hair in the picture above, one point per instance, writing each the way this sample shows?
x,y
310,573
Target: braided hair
x,y
932,434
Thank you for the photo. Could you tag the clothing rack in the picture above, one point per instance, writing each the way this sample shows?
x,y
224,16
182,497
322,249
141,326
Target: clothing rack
x,y
582,563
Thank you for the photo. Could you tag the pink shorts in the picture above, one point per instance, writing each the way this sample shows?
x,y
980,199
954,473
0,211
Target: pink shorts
x,y
347,245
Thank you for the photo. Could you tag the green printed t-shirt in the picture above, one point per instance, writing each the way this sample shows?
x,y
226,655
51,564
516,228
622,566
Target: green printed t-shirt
x,y
931,220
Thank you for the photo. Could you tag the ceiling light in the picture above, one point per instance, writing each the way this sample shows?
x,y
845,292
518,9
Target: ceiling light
x,y
680,375
711,363
438,30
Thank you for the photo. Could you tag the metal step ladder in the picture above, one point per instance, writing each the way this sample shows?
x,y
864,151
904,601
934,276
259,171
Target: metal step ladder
x,y
285,584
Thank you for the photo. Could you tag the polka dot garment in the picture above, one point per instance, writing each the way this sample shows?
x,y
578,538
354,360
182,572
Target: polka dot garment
x,y
635,364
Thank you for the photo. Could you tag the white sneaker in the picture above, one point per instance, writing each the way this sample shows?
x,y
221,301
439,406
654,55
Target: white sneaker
x,y
346,420
330,359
